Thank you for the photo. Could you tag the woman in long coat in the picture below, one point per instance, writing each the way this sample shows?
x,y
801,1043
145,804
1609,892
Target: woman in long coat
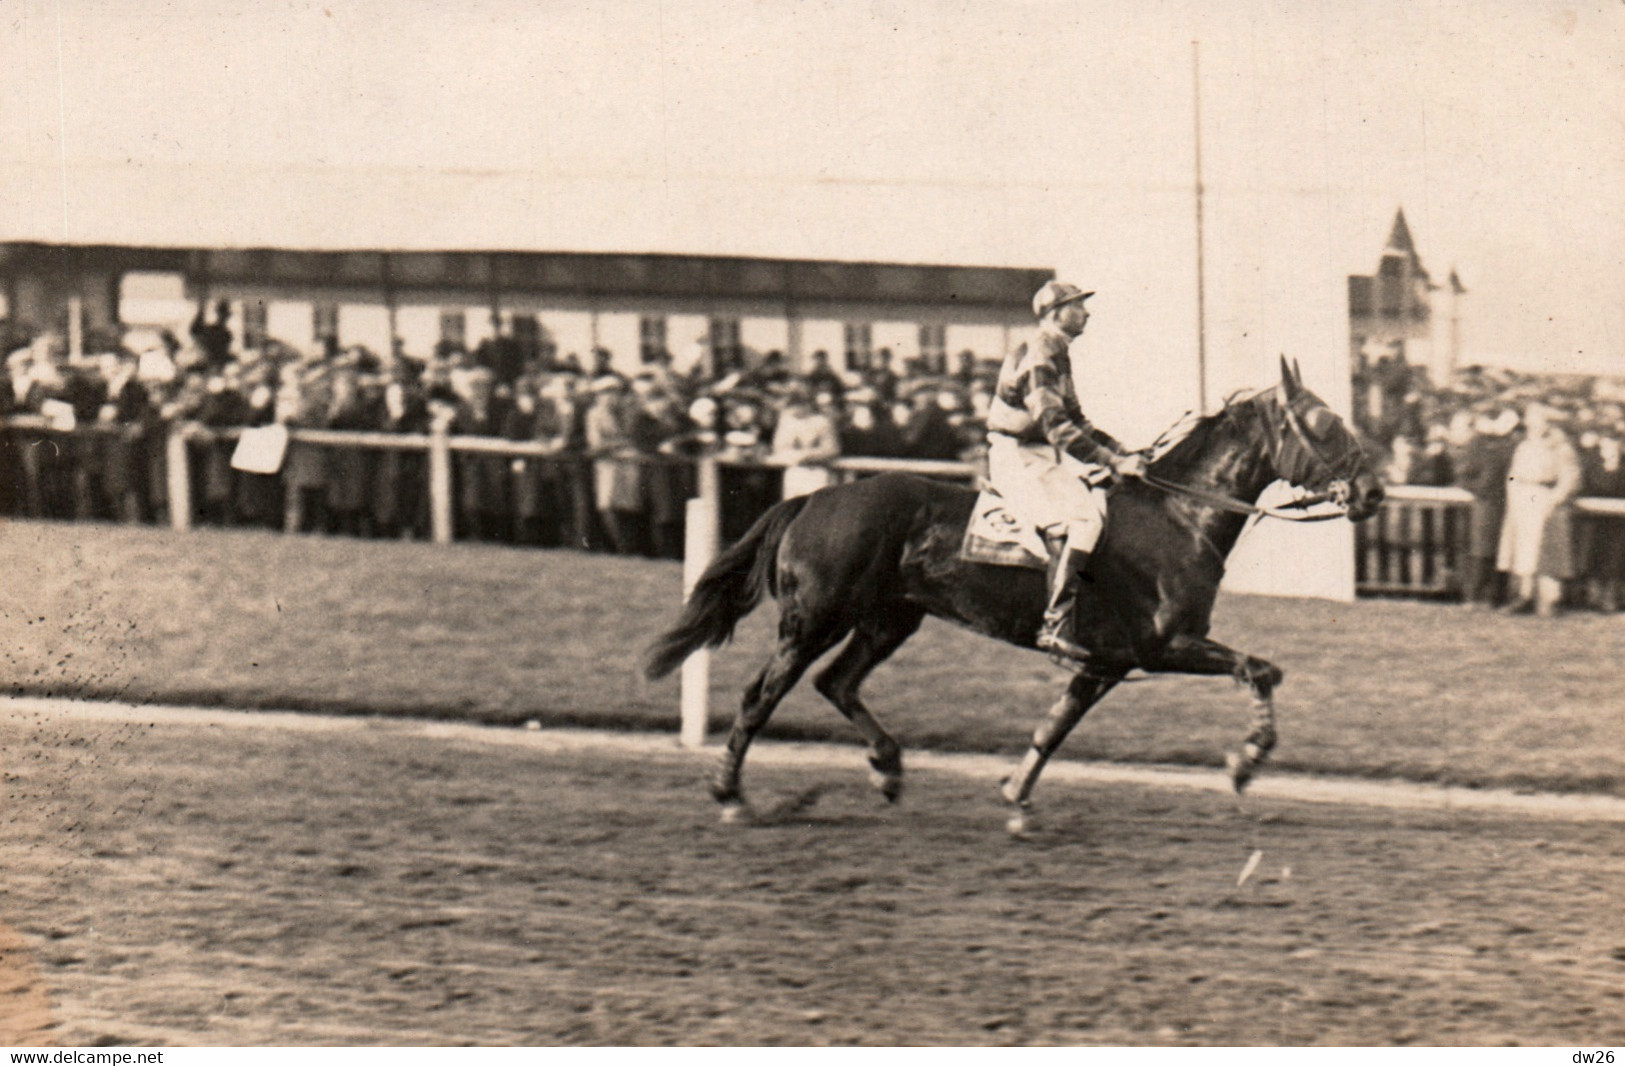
x,y
1480,466
399,491
304,401
658,428
481,477
1537,545
350,470
617,474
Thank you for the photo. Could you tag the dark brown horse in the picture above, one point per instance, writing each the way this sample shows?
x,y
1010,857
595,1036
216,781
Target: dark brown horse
x,y
866,562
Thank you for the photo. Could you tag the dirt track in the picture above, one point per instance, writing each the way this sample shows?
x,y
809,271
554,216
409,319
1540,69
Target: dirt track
x,y
357,883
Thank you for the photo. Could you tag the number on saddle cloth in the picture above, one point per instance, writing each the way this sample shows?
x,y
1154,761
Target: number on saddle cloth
x,y
998,536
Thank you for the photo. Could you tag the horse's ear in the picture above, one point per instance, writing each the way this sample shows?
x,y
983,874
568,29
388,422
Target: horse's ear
x,y
1297,372
1287,377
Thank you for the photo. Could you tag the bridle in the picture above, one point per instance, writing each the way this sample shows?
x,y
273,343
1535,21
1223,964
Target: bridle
x,y
1289,468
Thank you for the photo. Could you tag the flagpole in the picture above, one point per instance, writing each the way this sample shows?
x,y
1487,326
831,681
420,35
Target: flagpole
x,y
1201,272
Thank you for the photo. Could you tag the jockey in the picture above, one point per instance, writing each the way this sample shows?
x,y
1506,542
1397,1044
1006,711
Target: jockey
x,y
1047,460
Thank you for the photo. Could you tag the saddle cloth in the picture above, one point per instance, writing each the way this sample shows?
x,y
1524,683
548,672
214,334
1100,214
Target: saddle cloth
x,y
996,535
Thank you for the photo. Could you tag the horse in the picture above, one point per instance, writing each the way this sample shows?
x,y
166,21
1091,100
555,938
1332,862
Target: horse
x,y
867,561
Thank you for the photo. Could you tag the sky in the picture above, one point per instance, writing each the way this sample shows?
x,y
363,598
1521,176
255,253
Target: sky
x,y
1019,133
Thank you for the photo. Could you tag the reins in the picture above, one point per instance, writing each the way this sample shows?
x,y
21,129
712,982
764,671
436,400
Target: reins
x,y
1292,511
1235,506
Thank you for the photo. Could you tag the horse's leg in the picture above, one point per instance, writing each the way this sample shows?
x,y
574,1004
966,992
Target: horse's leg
x,y
1198,655
796,651
875,639
1082,692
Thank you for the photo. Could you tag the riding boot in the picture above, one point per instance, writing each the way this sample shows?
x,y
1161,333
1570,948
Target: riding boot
x,y
1066,574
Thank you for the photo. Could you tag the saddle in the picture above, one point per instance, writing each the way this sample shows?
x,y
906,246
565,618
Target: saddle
x,y
998,536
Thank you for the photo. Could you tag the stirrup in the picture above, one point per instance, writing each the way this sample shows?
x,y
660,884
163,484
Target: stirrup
x,y
1063,652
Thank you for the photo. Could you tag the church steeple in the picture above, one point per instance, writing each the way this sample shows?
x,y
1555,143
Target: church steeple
x,y
1399,238
1400,261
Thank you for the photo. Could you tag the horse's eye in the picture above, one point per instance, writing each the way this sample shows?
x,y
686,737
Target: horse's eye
x,y
1320,421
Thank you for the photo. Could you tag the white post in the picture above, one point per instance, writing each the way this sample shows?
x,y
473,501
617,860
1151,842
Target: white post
x,y
700,534
440,484
180,478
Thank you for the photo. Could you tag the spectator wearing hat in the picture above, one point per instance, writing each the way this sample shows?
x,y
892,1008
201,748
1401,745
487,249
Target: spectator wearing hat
x,y
400,504
967,370
500,353
302,402
75,397
85,392
125,423
1537,537
820,378
748,488
928,431
213,339
804,442
482,478
222,406
603,366
768,375
867,427
258,498
881,377
1481,457
617,474
351,470
570,397
540,414
659,428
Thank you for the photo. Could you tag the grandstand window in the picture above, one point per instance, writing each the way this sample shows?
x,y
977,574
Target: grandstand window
x,y
934,347
324,322
651,337
454,328
254,329
860,345
727,353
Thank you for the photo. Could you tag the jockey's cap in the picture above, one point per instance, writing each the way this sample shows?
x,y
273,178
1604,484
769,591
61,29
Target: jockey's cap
x,y
1054,294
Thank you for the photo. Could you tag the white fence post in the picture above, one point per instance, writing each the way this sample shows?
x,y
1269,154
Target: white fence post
x,y
179,469
701,531
440,510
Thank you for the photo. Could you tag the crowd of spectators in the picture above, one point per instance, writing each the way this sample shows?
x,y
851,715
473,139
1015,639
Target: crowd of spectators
x,y
614,473
616,448
1525,447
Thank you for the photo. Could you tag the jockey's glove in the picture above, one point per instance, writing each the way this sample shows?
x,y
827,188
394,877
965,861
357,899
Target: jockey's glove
x,y
1131,464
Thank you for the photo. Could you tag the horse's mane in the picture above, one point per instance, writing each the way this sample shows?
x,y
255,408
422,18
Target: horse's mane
x,y
1191,430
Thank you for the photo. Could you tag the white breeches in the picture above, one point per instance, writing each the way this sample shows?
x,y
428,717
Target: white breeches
x,y
1053,495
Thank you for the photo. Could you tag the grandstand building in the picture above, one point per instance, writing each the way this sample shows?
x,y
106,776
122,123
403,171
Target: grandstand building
x,y
711,308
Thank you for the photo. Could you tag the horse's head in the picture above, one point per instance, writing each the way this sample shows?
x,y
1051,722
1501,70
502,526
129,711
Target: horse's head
x,y
1311,447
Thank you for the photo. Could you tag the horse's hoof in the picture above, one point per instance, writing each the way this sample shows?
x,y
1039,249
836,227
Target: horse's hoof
x,y
1241,771
736,812
890,785
1007,791
1020,824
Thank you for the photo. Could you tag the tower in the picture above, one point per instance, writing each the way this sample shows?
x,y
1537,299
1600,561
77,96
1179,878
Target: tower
x,y
1391,332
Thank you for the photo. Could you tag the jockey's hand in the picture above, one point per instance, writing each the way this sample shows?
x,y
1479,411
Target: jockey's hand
x,y
1130,465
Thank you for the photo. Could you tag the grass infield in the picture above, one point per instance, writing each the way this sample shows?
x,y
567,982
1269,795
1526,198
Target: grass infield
x,y
486,634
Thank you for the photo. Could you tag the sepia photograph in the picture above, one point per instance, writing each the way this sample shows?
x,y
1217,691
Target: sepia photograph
x,y
739,523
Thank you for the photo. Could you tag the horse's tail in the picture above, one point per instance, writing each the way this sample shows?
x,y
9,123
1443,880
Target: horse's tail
x,y
730,588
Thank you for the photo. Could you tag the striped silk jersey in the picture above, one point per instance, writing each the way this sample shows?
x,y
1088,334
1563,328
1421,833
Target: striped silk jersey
x,y
1035,401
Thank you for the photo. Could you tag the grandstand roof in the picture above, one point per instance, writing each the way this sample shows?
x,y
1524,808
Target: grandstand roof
x,y
552,272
